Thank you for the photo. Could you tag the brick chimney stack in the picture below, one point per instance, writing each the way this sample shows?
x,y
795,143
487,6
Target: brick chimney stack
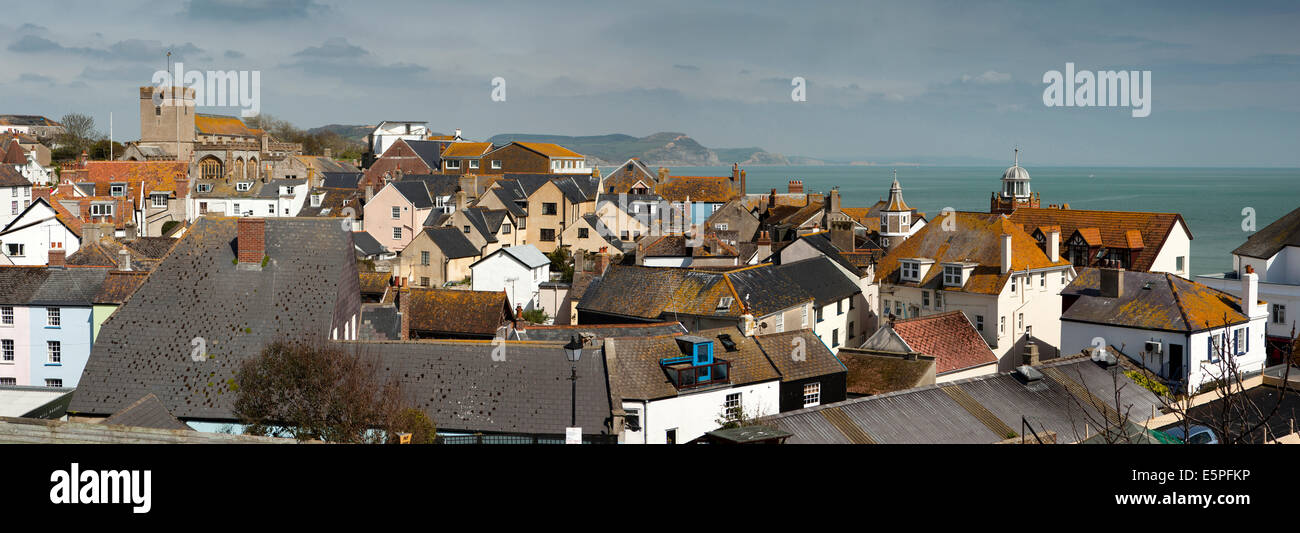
x,y
796,186
1112,279
663,174
57,259
251,242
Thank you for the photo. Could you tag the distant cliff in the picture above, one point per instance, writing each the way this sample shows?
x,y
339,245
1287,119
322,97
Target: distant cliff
x,y
664,148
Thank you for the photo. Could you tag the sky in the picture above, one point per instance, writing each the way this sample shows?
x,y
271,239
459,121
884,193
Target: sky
x,y
884,81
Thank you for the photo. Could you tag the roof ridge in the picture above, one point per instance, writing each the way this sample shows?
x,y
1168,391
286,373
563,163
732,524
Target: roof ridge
x,y
1178,302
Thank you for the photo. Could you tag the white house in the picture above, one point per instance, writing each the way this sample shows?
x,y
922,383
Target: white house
x,y
15,194
835,314
987,267
389,131
1177,328
863,315
251,198
29,237
1274,254
518,270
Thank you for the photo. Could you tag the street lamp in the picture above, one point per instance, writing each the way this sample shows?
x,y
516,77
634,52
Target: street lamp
x,y
573,352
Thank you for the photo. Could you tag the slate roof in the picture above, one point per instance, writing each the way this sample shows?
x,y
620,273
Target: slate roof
x,y
819,277
105,252
818,360
639,376
1131,230
37,431
821,241
710,189
880,374
1151,300
463,388
367,244
626,175
341,180
527,254
118,286
975,237
198,292
147,412
14,154
75,286
603,231
600,331
452,242
379,322
415,192
458,312
479,218
428,151
374,282
1267,242
651,293
948,337
981,410
19,283
438,185
151,247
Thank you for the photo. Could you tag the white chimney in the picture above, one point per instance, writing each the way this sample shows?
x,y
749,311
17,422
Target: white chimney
x,y
1006,253
1250,294
457,137
1054,244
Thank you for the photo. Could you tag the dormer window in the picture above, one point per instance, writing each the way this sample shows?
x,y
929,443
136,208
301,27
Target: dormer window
x,y
724,303
952,276
205,187
914,269
243,186
316,199
117,189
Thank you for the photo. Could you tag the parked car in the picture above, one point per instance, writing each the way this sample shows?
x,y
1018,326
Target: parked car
x,y
1198,435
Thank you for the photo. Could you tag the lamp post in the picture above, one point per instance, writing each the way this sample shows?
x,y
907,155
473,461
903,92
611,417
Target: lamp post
x,y
573,352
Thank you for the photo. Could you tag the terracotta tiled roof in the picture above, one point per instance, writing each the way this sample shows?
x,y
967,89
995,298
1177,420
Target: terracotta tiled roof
x,y
223,125
549,149
151,175
458,312
949,337
1131,230
976,238
466,149
713,189
105,253
14,154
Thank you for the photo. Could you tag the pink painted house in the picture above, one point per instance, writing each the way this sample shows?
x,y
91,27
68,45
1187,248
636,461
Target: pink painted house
x,y
15,325
397,213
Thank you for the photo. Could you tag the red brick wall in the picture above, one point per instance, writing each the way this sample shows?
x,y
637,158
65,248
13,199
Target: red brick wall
x,y
399,156
251,241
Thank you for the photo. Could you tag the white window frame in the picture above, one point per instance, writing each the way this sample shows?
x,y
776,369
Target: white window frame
x,y
952,276
243,186
54,383
54,352
53,317
911,271
732,406
101,209
453,164
1278,314
397,232
496,164
397,212
158,200
473,164
7,350
7,315
812,394
117,189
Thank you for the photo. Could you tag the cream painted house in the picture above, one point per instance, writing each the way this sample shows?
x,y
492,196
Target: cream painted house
x,y
990,269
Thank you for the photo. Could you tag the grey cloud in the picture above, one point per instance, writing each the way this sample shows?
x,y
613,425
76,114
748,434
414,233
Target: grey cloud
x,y
234,54
252,10
334,47
688,68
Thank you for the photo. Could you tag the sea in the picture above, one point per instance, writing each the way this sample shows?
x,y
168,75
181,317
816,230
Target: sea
x,y
1216,203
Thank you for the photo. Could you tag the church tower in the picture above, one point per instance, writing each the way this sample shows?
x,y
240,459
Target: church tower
x,y
895,218
167,121
1015,191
